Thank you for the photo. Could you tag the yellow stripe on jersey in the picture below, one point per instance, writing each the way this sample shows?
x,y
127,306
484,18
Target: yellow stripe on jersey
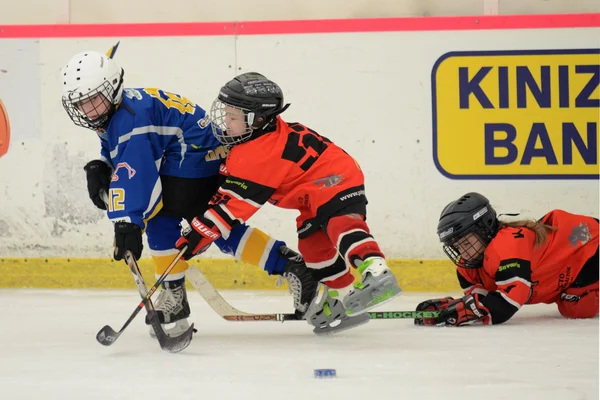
x,y
156,210
162,262
254,247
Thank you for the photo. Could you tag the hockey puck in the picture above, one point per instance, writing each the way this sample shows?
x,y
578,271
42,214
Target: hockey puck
x,y
325,373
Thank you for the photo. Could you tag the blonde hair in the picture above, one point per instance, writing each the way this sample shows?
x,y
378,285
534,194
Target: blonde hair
x,y
541,230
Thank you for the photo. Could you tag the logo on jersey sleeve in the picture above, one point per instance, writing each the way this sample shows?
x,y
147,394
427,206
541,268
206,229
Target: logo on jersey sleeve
x,y
132,94
330,181
203,123
580,234
219,153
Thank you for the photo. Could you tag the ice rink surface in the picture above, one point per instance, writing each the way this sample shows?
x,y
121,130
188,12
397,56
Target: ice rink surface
x,y
48,351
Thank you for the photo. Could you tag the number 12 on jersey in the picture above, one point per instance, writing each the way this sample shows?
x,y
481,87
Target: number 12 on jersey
x,y
116,199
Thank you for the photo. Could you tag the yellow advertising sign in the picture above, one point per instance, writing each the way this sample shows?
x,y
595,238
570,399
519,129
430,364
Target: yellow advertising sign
x,y
527,114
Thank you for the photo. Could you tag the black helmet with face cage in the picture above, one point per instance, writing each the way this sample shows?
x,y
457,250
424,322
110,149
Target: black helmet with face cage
x,y
471,213
259,98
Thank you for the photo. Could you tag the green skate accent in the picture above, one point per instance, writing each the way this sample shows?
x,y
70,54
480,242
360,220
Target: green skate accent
x,y
326,309
385,296
333,293
359,285
364,265
391,292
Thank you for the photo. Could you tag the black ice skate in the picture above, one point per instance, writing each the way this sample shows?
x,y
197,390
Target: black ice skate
x,y
326,314
172,309
301,284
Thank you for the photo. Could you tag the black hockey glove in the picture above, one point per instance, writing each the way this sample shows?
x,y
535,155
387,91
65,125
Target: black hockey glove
x,y
98,176
127,237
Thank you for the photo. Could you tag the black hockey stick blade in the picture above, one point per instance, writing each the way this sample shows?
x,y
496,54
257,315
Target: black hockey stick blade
x,y
107,336
172,344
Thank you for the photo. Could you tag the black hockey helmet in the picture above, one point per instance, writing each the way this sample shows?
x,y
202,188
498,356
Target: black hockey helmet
x,y
471,213
259,99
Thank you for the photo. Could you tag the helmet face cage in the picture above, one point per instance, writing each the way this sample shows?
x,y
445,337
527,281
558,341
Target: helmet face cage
x,y
483,226
254,96
79,118
218,113
475,248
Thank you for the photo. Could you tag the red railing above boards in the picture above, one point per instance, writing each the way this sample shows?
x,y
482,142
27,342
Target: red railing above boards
x,y
303,26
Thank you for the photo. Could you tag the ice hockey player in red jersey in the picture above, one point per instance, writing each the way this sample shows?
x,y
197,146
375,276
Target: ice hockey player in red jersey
x,y
504,265
291,166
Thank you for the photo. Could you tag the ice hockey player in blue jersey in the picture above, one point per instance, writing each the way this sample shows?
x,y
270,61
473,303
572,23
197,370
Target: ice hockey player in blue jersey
x,y
160,163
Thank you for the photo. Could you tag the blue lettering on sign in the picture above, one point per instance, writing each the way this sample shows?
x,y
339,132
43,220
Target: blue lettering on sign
x,y
538,131
470,87
570,137
525,80
583,99
492,143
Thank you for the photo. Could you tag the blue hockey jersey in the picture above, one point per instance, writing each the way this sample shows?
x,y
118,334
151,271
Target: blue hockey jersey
x,y
155,133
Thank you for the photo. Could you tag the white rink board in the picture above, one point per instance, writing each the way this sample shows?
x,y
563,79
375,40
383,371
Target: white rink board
x,y
369,92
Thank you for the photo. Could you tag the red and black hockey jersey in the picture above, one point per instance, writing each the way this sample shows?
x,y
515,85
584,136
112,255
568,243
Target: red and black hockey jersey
x,y
292,167
516,272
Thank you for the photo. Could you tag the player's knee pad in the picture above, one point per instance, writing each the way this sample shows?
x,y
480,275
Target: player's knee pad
x,y
351,235
579,302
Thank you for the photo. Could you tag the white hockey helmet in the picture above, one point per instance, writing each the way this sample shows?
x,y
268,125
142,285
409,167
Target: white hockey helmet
x,y
86,75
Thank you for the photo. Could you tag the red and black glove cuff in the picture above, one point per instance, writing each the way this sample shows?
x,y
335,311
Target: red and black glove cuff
x,y
198,237
466,311
432,305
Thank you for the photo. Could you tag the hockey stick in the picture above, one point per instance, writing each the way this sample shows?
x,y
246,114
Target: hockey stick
x,y
222,307
230,313
403,314
107,335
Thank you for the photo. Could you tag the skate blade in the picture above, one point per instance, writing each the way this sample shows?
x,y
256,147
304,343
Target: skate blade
x,y
173,329
344,325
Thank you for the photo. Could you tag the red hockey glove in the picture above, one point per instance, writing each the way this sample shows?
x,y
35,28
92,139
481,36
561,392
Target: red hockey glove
x,y
464,311
198,237
432,305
